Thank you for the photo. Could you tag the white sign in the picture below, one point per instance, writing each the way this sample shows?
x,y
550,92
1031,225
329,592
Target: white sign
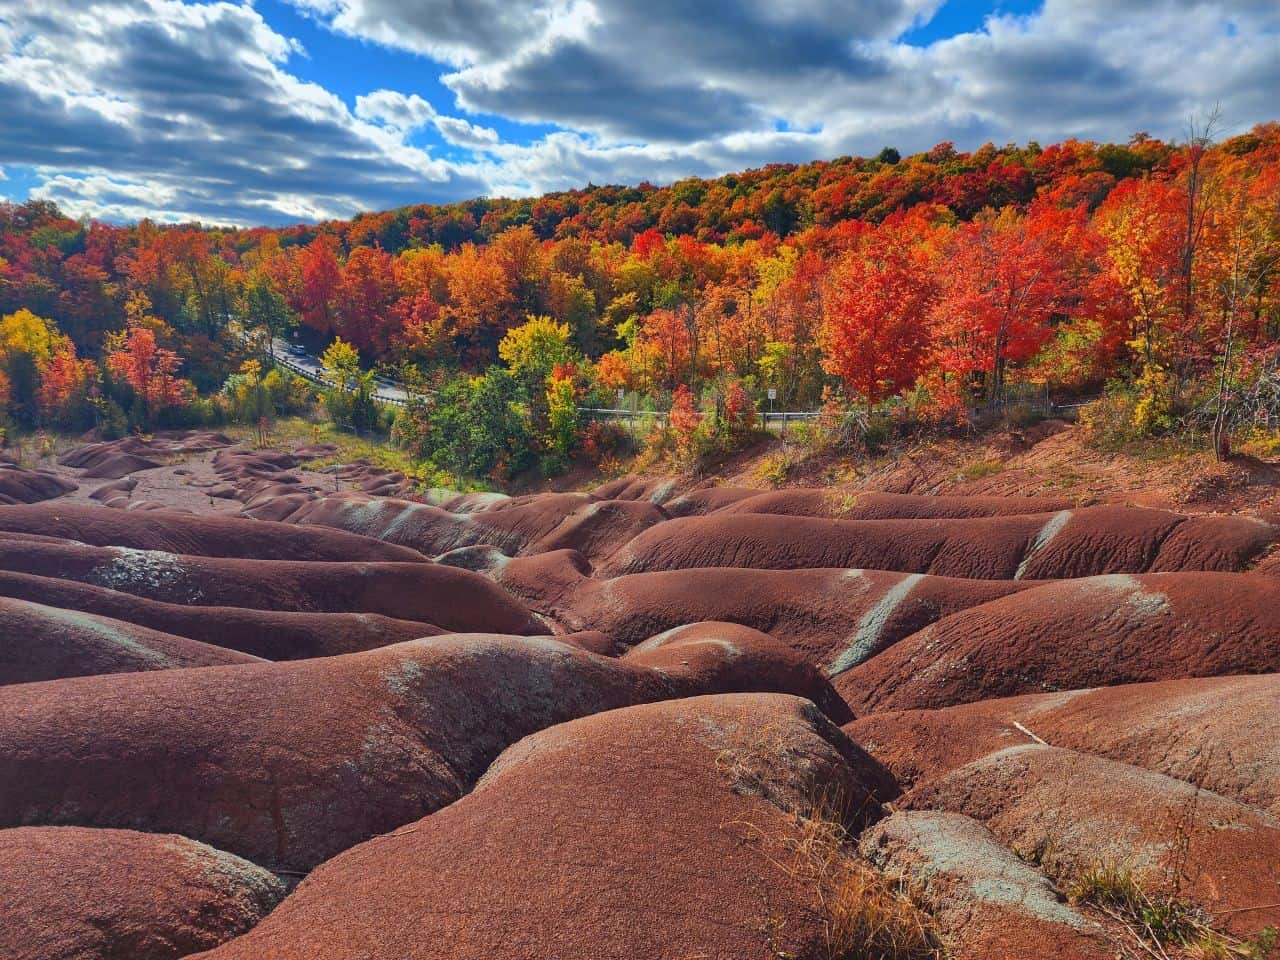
x,y
773,394
621,393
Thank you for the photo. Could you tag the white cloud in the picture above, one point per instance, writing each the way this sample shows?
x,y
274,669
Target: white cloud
x,y
463,133
182,110
395,110
403,114
186,110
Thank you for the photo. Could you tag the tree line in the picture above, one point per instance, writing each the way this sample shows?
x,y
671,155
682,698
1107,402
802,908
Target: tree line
x,y
922,287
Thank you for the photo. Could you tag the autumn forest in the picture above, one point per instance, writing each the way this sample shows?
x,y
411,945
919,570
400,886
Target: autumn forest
x,y
909,292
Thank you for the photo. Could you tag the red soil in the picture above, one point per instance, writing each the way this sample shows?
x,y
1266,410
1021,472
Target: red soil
x,y
290,763
1085,542
1079,811
270,634
68,893
1097,631
631,814
730,658
655,831
524,525
834,618
19,485
201,536
39,642
424,592
989,903
873,505
1215,732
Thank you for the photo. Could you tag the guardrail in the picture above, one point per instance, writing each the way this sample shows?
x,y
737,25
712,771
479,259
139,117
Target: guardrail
x,y
769,420
315,378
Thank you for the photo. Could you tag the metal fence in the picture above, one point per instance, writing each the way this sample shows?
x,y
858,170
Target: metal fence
x,y
315,378
769,420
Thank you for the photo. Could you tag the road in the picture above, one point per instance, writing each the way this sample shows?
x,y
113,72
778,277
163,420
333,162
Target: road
x,y
389,391
309,366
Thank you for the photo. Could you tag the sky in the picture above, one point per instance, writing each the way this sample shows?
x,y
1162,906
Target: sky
x,y
284,111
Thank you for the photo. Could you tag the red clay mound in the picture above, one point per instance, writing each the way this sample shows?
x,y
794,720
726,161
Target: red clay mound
x,y
289,763
257,476
196,536
68,893
1270,566
698,503
657,831
1215,732
870,505
113,460
629,487
834,618
730,658
523,525
456,502
990,904
19,485
114,490
421,592
164,443
117,465
1093,632
38,642
1079,811
373,479
1071,543
269,634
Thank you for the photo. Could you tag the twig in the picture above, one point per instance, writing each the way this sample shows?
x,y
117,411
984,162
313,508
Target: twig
x,y
1030,734
1264,906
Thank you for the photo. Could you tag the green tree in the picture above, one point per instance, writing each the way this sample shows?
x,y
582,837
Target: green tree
x,y
348,395
479,427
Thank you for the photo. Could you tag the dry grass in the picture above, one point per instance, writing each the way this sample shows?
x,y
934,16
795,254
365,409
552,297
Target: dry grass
x,y
1161,926
867,915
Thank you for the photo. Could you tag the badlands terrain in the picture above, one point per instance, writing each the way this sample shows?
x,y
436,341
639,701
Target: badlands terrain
x,y
256,708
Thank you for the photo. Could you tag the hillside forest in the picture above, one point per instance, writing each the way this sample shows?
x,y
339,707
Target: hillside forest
x,y
894,293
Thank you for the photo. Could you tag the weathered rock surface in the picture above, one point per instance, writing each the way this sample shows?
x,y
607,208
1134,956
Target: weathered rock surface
x,y
67,893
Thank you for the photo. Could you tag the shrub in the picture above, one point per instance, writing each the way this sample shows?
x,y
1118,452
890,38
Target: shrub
x,y
981,468
774,468
685,420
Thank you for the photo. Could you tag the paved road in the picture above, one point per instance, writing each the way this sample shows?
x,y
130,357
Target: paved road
x,y
309,366
389,391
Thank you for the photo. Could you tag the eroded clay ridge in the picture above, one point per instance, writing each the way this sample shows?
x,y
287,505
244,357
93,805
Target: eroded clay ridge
x,y
252,708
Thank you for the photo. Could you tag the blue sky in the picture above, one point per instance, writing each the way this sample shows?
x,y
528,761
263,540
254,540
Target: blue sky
x,y
281,111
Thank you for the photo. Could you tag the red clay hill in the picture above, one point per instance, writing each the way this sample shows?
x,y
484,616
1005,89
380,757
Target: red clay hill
x,y
265,704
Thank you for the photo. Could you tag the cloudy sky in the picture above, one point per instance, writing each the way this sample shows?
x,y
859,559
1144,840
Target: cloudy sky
x,y
278,111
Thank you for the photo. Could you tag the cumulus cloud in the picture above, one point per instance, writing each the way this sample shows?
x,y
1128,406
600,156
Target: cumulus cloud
x,y
163,108
404,114
395,110
183,109
662,71
464,133
668,89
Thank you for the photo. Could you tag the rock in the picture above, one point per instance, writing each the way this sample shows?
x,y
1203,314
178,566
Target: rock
x,y
990,904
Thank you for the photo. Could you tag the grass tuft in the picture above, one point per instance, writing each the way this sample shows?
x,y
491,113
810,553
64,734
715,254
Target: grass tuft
x,y
1162,926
